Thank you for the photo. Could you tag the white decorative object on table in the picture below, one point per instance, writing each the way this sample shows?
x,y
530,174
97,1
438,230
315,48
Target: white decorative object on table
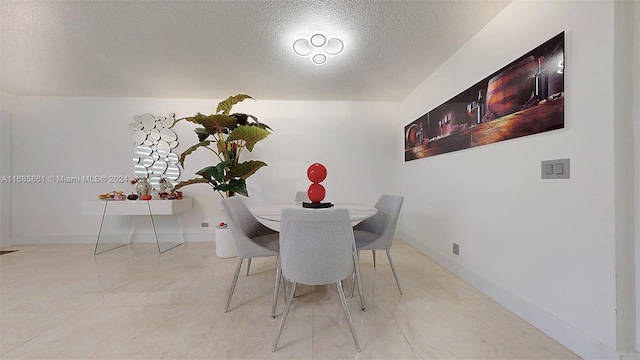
x,y
224,242
142,186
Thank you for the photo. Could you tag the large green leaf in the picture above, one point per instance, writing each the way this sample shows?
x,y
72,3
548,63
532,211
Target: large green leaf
x,y
238,186
202,133
245,169
195,118
213,123
250,134
217,122
255,121
216,172
190,182
241,119
192,149
226,105
264,126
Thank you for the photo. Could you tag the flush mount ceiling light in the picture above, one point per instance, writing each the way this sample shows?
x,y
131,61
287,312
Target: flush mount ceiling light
x,y
318,47
318,40
319,59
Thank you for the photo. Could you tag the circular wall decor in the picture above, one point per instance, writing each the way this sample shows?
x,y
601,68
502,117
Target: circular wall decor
x,y
153,142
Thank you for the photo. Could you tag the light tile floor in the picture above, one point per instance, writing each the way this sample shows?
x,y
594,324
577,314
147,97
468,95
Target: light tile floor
x,y
61,302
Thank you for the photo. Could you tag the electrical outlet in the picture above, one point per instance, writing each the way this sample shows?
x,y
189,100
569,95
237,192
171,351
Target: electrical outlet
x,y
204,224
456,249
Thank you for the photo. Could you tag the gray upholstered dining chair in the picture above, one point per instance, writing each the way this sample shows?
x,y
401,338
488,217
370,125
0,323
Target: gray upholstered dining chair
x,y
316,248
250,237
376,232
302,196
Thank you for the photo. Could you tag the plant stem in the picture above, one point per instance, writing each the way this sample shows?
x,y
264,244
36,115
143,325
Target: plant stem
x,y
240,148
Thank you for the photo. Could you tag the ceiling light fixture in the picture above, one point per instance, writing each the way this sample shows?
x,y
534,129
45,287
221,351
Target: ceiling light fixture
x,y
319,59
318,40
319,47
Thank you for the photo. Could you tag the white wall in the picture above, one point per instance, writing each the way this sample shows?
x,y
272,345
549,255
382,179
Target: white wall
x,y
90,136
6,107
543,248
635,71
623,133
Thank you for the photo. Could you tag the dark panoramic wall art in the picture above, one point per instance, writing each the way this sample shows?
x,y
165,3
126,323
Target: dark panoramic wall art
x,y
523,98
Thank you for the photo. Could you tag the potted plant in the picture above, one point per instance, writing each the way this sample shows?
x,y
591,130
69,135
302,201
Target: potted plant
x,y
227,136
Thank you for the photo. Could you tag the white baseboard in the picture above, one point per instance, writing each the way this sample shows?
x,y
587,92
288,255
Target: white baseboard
x,y
91,239
570,337
6,242
198,237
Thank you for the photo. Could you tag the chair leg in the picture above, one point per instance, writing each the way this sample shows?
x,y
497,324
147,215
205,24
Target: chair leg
x,y
347,313
248,266
284,286
393,270
356,267
292,290
353,276
374,257
353,281
233,283
276,288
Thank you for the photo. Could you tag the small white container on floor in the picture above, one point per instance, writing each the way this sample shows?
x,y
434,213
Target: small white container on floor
x,y
224,243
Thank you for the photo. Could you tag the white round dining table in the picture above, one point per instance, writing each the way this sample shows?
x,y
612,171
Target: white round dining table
x,y
357,212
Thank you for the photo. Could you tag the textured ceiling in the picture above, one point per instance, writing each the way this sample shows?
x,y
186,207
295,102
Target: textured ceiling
x,y
213,49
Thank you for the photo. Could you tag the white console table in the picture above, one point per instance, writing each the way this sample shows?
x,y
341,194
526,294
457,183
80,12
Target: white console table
x,y
117,216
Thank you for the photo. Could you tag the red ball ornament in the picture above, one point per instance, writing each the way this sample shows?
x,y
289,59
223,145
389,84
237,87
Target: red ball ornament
x,y
316,193
317,173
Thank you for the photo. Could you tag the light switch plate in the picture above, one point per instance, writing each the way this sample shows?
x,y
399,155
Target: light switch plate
x,y
560,169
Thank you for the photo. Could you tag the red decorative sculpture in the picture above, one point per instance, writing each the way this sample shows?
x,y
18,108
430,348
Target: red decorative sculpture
x,y
316,193
316,173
